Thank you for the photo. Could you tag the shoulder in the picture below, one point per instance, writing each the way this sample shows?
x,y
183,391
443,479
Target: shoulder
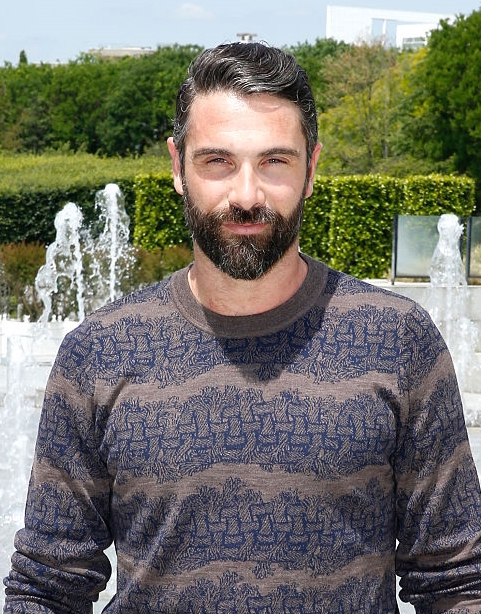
x,y
364,304
142,308
344,287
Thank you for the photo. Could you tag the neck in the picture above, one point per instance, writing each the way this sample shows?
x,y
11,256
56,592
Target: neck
x,y
233,297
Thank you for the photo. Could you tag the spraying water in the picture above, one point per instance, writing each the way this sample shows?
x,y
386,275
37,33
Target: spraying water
x,y
91,270
447,304
110,255
76,262
63,262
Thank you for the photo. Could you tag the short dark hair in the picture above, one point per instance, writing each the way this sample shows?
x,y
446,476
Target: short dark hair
x,y
246,69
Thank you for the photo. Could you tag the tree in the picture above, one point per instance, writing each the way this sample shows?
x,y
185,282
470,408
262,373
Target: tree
x,y
24,109
77,95
362,98
109,107
312,58
141,102
448,105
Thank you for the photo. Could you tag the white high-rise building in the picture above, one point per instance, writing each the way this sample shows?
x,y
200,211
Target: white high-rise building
x,y
403,29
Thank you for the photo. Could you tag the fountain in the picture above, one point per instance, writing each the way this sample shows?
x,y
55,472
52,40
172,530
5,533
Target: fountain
x,y
447,301
90,269
63,262
108,256
90,266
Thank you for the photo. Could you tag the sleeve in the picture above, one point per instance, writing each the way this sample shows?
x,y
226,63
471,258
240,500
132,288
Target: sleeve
x,y
438,494
59,565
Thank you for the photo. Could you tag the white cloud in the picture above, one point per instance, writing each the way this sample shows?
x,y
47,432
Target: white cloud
x,y
193,12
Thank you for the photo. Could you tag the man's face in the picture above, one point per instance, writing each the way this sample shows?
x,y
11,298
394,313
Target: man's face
x,y
244,180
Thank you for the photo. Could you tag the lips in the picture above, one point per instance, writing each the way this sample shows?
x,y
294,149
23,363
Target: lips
x,y
245,228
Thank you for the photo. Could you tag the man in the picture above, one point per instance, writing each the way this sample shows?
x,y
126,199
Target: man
x,y
258,433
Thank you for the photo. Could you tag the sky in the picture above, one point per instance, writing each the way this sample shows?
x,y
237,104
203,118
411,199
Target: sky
x,y
60,30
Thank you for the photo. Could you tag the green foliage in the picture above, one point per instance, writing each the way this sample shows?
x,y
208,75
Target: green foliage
x,y
19,263
139,108
347,223
438,194
360,223
34,188
382,111
75,96
347,220
108,107
175,257
314,236
313,58
159,215
446,101
24,108
150,266
359,130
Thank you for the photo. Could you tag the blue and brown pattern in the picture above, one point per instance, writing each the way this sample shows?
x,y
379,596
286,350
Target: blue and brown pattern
x,y
262,473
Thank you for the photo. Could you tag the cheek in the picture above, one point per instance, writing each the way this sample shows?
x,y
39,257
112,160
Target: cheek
x,y
206,195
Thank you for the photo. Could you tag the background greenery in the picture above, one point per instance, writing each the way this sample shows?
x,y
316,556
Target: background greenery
x,y
401,133
347,220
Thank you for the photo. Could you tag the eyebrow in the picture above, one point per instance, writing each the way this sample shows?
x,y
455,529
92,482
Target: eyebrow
x,y
216,151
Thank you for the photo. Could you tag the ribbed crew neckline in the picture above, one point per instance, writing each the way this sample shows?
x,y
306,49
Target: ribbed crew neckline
x,y
255,325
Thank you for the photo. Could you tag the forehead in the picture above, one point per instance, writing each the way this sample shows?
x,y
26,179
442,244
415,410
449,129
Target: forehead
x,y
222,114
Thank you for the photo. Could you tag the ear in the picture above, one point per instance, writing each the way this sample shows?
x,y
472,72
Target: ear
x,y
176,167
312,170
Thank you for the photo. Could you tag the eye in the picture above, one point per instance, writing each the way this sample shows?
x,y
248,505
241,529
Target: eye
x,y
276,161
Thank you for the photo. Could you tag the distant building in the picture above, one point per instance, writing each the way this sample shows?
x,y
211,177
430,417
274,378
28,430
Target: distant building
x,y
109,53
403,29
246,37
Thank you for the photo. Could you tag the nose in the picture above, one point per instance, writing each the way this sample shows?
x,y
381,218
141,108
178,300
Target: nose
x,y
246,190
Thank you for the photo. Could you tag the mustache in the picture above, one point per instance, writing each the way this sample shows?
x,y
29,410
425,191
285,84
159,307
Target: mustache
x,y
237,215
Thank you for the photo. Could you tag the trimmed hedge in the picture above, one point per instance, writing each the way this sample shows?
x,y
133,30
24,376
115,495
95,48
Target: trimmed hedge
x,y
347,220
159,213
362,210
34,188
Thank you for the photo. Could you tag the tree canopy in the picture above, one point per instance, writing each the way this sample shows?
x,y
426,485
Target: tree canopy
x,y
109,107
381,110
447,102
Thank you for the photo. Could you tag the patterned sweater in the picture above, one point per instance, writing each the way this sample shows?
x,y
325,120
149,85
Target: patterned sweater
x,y
288,462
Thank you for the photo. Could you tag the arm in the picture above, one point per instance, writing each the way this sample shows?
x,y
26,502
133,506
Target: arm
x,y
59,565
438,494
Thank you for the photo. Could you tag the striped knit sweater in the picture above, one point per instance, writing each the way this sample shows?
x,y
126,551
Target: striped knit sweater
x,y
293,461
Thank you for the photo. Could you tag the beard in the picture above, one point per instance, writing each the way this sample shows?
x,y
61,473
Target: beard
x,y
247,256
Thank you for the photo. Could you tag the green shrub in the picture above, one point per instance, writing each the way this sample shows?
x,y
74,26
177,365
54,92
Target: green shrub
x,y
314,236
153,265
438,194
175,257
354,233
361,216
159,213
347,220
19,263
34,188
